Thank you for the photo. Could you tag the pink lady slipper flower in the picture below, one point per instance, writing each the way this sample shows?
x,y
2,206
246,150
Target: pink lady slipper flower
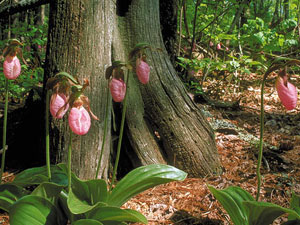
x,y
117,89
11,67
58,105
79,116
79,120
287,92
142,71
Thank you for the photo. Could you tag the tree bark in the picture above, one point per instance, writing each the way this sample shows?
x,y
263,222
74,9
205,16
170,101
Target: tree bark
x,y
163,125
186,138
79,42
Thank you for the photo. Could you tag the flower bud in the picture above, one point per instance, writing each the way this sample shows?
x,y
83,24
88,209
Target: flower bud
x,y
219,46
57,102
287,93
117,89
11,67
142,71
79,120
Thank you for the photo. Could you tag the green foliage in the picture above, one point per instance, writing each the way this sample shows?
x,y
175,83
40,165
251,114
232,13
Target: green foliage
x,y
88,202
141,179
244,210
34,52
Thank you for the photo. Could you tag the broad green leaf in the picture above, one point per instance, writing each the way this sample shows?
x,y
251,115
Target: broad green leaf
x,y
109,213
79,206
141,179
48,190
231,199
86,195
87,222
295,205
63,198
262,213
9,194
35,210
38,175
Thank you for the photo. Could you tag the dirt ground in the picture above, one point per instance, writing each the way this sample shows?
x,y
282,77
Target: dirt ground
x,y
190,202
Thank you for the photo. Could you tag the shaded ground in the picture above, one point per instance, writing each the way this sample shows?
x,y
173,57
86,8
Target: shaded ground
x,y
190,202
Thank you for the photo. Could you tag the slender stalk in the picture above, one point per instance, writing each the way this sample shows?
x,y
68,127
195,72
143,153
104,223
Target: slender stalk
x,y
261,143
180,30
47,135
194,28
70,162
4,130
104,134
120,135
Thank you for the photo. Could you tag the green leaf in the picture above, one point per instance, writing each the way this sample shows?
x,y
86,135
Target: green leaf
x,y
34,210
87,222
109,213
141,179
231,199
38,175
295,205
49,191
9,194
85,195
262,213
79,206
63,198
68,76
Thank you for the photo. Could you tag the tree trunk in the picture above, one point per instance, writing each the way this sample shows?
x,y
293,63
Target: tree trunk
x,y
79,42
286,6
163,125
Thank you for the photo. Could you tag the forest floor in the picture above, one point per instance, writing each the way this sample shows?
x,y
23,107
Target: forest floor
x,y
190,202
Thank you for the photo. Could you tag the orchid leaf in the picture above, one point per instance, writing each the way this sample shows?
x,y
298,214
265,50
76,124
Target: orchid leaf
x,y
9,194
141,179
232,199
262,213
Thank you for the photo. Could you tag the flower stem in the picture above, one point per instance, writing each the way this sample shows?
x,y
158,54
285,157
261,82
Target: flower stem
x,y
261,143
69,162
4,130
104,134
47,135
120,135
